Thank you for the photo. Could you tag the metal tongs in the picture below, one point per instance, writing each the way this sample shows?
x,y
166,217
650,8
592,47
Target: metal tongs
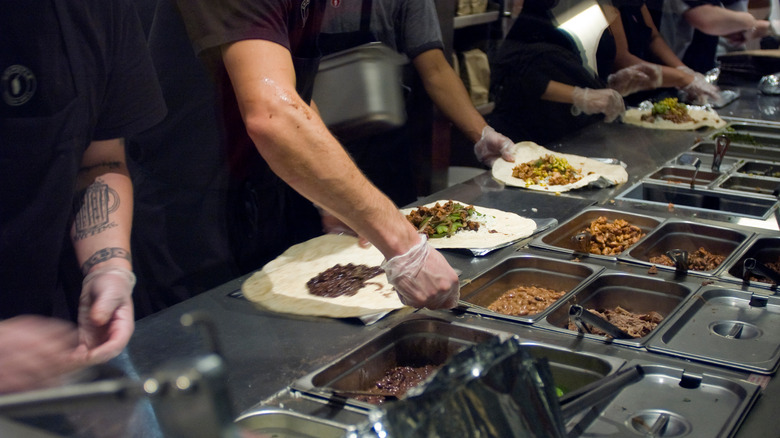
x,y
581,241
753,266
580,317
596,392
721,146
680,259
690,160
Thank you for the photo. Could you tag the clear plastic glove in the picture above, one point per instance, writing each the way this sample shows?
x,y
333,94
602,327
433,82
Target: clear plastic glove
x,y
699,91
604,100
493,146
106,312
423,278
333,225
38,352
637,77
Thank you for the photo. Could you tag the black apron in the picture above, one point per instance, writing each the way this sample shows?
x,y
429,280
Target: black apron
x,y
42,175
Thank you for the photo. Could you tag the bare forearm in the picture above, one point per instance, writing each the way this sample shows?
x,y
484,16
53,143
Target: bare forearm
x,y
298,147
558,92
719,21
448,93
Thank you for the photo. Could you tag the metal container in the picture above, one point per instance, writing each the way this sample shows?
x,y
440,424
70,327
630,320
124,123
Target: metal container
x,y
760,168
670,402
687,236
686,158
727,327
765,249
682,175
415,343
524,270
286,423
635,293
752,185
563,237
359,91
428,341
741,151
716,201
752,133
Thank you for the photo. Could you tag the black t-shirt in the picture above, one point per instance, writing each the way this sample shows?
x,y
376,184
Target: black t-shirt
x,y
533,54
637,32
265,216
71,72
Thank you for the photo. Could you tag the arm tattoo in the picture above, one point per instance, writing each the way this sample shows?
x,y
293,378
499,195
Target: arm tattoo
x,y
103,255
93,207
109,165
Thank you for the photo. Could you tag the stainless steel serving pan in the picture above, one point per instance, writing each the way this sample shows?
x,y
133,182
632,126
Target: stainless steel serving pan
x,y
635,293
560,238
670,402
524,270
419,342
688,236
724,326
764,248
274,422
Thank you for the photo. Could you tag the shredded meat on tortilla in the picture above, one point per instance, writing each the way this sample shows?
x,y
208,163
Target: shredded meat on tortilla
x,y
443,220
342,280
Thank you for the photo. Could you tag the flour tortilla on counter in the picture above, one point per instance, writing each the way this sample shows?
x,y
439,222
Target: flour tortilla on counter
x,y
592,170
701,117
497,227
280,286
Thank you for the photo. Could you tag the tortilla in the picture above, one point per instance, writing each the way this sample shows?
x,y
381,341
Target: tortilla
x,y
496,228
701,117
280,286
593,171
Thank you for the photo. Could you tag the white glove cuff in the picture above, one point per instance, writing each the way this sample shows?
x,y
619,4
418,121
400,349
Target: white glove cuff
x,y
127,274
395,266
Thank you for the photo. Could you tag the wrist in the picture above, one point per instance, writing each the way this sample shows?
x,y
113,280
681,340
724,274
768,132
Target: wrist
x,y
114,270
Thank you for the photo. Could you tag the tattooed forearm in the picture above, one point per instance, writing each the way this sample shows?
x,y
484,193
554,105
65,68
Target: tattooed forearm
x,y
108,165
93,209
103,255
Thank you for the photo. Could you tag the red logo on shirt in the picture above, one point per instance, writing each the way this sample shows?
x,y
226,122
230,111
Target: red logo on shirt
x,y
335,3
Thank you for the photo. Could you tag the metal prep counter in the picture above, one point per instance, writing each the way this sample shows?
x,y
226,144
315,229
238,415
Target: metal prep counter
x,y
265,352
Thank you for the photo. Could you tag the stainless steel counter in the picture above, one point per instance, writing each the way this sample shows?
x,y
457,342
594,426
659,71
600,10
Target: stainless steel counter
x,y
265,352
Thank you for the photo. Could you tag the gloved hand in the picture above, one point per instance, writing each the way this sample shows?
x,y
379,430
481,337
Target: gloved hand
x,y
38,352
423,278
604,100
699,91
333,225
493,145
637,77
106,312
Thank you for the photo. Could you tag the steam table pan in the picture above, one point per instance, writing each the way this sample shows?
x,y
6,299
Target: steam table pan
x,y
561,238
524,270
635,293
727,327
433,342
670,402
751,185
285,423
687,236
765,249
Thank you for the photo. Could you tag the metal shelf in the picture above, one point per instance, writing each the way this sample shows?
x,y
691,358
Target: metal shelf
x,y
475,19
